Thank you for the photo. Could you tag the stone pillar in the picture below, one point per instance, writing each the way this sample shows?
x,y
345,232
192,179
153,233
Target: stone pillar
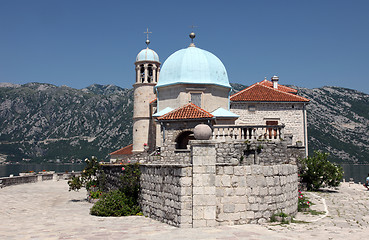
x,y
203,183
154,73
138,74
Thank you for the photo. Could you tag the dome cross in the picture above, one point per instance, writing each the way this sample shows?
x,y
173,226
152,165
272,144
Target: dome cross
x,y
147,37
192,36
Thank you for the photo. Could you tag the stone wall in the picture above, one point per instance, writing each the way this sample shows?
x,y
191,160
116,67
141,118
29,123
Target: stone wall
x,y
252,194
216,187
166,193
8,181
258,152
230,193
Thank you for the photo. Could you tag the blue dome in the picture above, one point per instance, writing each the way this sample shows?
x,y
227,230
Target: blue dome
x,y
193,65
147,54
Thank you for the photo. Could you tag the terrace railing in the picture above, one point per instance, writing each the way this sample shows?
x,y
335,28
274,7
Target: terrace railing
x,y
244,132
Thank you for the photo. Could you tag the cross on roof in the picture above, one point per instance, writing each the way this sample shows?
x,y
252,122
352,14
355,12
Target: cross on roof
x,y
147,33
193,26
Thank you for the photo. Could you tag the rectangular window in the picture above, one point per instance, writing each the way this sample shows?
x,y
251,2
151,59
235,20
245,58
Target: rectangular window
x,y
196,99
252,108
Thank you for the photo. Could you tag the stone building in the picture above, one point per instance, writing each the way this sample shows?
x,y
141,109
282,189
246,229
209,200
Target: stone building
x,y
209,158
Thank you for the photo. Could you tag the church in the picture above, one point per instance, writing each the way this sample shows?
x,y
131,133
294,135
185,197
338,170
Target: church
x,y
192,88
209,157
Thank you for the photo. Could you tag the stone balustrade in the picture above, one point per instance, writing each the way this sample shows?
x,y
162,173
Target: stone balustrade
x,y
256,132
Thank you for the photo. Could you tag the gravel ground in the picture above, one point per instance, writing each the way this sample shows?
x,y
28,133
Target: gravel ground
x,y
47,210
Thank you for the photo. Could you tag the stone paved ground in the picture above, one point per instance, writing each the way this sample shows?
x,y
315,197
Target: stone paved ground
x,y
47,210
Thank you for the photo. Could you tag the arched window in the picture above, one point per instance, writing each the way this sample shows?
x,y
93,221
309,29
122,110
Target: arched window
x,y
150,72
183,138
142,73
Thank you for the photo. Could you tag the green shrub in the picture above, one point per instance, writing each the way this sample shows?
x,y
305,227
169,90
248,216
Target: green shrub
x,y
121,202
115,203
95,194
90,176
316,171
130,180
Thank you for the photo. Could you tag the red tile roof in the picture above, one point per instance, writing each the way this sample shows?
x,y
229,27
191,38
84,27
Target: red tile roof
x,y
189,111
260,93
280,87
127,150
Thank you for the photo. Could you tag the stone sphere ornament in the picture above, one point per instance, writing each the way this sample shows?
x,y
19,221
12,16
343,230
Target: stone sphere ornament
x,y
202,132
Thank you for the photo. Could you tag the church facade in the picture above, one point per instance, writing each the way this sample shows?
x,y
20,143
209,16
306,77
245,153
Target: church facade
x,y
193,88
209,157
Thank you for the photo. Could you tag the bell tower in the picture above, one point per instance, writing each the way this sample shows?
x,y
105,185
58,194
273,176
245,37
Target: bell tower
x,y
147,74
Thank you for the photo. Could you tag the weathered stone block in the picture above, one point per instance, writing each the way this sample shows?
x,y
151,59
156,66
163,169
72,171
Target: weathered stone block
x,y
263,191
203,200
219,192
225,180
250,215
211,223
209,212
228,170
185,181
254,207
240,191
239,171
219,170
199,223
198,212
240,207
229,208
229,191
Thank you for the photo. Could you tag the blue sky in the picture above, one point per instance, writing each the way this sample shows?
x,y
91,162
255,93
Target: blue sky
x,y
82,42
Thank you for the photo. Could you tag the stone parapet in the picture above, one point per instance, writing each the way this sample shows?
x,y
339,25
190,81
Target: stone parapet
x,y
257,152
166,193
252,194
8,181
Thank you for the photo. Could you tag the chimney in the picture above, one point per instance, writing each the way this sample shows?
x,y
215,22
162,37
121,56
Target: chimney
x,y
275,79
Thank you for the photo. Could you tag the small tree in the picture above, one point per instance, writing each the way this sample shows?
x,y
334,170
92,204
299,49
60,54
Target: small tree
x,y
89,176
316,171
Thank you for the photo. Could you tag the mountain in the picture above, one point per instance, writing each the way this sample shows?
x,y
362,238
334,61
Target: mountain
x,y
43,122
338,123
46,122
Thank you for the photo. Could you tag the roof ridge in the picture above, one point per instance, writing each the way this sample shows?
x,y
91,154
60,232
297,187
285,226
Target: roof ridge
x,y
283,86
188,105
283,92
292,97
201,109
242,90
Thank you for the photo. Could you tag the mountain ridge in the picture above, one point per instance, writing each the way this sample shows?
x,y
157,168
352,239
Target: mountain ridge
x,y
44,122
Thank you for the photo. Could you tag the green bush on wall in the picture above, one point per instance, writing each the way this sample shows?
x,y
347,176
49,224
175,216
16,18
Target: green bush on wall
x,y
316,171
121,202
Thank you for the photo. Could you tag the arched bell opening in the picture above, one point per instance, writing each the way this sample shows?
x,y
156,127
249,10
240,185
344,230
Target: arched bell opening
x,y
142,73
183,138
150,73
